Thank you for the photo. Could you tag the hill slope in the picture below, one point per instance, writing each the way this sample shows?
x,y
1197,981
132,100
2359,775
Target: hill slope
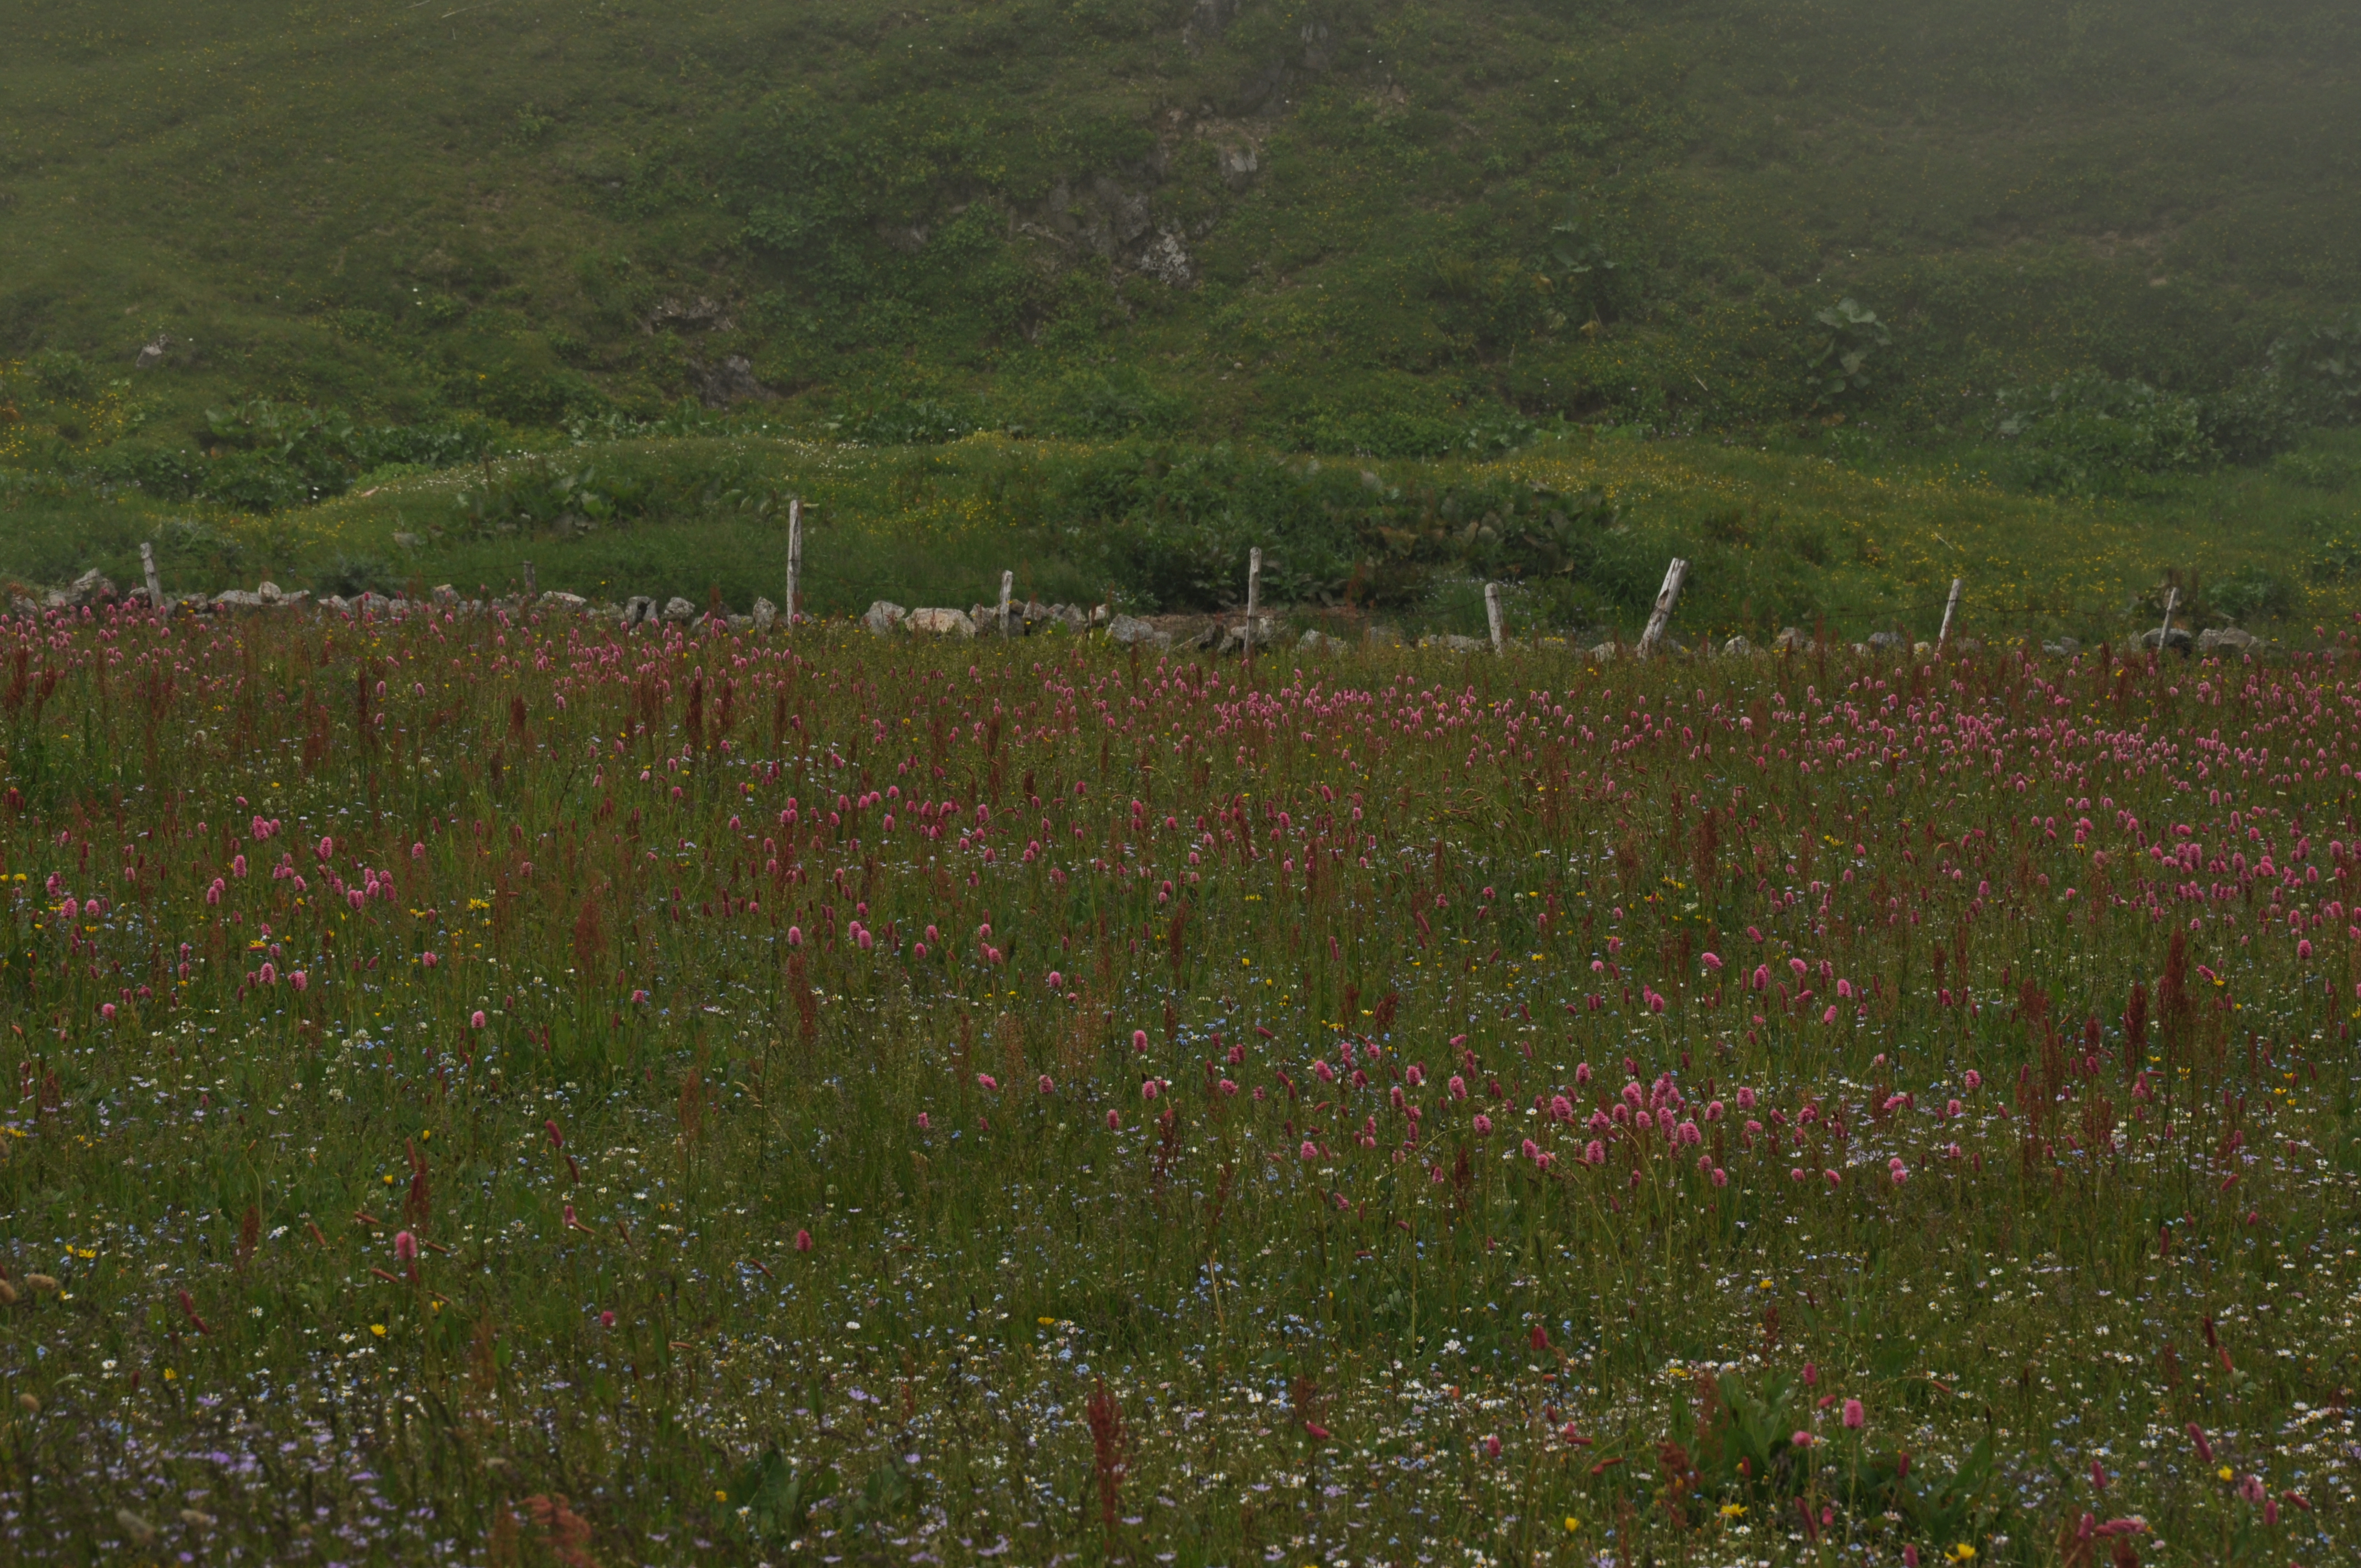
x,y
1387,227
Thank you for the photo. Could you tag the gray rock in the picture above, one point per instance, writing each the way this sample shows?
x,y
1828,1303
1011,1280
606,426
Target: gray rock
x,y
639,607
268,593
90,588
766,614
445,595
151,352
295,600
738,622
731,382
883,617
2063,648
570,603
1887,642
1262,633
2227,639
338,603
1321,642
678,610
373,604
1451,643
1167,259
1382,637
1128,630
1791,639
941,622
2180,638
1737,648
238,598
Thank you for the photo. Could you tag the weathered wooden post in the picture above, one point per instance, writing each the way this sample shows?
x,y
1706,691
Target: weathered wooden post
x,y
532,592
1950,609
1007,587
1254,596
1666,597
2164,634
794,557
1492,615
155,581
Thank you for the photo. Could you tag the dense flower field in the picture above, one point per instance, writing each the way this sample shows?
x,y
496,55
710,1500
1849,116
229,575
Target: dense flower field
x,y
506,1090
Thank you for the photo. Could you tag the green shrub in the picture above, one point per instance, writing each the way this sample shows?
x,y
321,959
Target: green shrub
x,y
2092,436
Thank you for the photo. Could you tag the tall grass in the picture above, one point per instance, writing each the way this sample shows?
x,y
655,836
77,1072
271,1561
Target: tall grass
x,y
494,1090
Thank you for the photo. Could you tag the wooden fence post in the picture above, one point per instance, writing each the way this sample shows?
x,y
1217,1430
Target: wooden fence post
x,y
794,557
2164,635
1007,587
155,581
1492,615
1666,597
1950,609
531,591
1254,596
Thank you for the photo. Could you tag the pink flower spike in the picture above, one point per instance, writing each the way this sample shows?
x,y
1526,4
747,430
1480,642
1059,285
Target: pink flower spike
x,y
417,851
1150,1089
1139,1041
1855,1418
327,848
300,980
1974,1080
1711,961
1115,1120
1309,1151
476,1019
986,1083
106,1011
924,1124
405,1247
803,1241
1483,1125
607,1320
1048,1084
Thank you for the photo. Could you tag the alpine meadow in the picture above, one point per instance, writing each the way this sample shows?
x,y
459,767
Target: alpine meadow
x,y
1233,783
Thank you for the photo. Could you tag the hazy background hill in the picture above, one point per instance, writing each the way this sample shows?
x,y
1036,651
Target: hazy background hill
x,y
2100,242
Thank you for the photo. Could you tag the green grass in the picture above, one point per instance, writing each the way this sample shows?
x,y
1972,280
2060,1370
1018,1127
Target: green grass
x,y
2104,258
1863,535
1598,211
495,1094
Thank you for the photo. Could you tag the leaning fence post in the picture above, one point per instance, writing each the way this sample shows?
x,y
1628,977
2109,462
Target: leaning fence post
x,y
794,557
1492,615
1666,597
1254,596
155,583
1950,609
1007,587
2164,635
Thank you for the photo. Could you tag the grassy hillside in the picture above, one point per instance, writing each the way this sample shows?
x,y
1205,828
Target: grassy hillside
x,y
2096,257
1342,225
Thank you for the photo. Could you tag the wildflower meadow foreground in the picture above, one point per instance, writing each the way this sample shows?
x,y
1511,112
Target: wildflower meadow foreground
x,y
503,1090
